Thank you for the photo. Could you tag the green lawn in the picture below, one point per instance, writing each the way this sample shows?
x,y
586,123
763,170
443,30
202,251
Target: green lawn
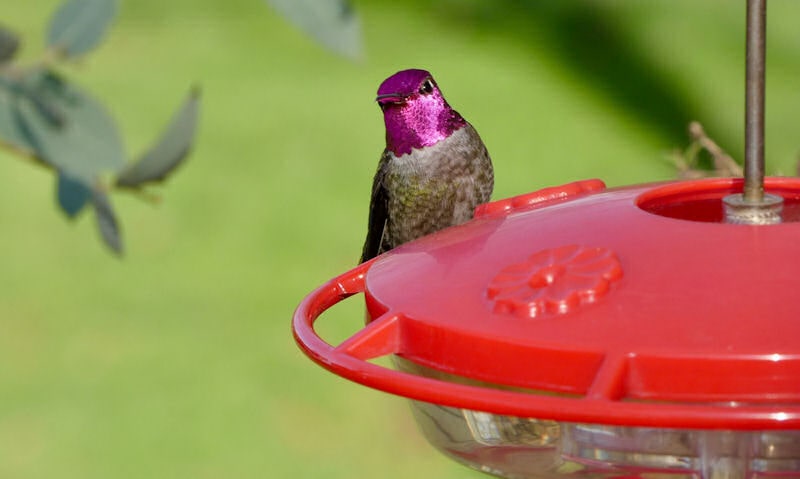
x,y
177,360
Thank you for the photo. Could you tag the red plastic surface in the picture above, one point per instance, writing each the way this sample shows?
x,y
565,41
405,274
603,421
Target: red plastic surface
x,y
688,322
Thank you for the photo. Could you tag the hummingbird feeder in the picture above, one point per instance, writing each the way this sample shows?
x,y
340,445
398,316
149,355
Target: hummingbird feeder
x,y
650,331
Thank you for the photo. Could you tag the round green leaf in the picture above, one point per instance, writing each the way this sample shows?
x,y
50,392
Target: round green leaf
x,y
72,194
12,129
333,23
107,223
9,44
84,142
79,25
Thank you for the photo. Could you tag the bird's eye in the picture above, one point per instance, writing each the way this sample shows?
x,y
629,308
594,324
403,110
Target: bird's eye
x,y
426,87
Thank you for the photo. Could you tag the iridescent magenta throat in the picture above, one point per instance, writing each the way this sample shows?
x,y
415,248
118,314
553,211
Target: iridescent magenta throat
x,y
422,120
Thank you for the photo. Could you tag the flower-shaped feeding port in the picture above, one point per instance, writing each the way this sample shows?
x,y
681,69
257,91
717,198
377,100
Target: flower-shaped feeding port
x,y
554,281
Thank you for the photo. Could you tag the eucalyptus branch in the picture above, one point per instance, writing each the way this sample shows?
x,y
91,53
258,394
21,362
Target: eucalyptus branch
x,y
48,120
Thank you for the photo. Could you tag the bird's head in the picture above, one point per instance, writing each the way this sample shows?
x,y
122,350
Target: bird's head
x,y
415,112
409,86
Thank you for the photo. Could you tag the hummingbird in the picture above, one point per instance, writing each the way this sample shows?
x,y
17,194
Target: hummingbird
x,y
434,171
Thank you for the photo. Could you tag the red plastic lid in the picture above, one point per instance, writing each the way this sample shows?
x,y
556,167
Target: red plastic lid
x,y
633,306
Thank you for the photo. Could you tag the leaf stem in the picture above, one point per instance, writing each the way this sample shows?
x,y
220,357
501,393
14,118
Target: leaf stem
x,y
23,154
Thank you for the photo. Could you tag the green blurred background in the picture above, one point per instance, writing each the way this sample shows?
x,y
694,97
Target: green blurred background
x,y
178,361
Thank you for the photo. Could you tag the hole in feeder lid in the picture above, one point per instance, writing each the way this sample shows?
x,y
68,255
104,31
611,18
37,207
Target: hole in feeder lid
x,y
705,200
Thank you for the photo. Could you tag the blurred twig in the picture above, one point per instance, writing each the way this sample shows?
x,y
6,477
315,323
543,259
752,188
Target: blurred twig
x,y
687,161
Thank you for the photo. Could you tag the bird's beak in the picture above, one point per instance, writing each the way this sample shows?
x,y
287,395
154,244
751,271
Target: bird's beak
x,y
390,98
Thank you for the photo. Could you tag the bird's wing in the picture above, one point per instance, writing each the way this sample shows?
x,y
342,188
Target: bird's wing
x,y
378,212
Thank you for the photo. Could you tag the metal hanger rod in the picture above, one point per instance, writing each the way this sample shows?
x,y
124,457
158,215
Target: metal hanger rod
x,y
754,101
